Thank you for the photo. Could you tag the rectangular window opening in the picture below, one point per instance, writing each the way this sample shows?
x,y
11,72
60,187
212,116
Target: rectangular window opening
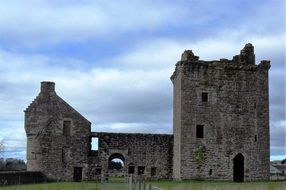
x,y
67,128
94,143
131,169
33,156
200,131
205,97
141,170
98,171
153,171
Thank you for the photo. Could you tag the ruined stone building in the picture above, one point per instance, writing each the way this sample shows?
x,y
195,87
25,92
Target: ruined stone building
x,y
221,118
221,129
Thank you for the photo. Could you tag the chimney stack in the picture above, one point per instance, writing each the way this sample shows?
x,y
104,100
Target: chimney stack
x,y
47,87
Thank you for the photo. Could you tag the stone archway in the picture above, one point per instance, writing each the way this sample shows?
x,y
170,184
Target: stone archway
x,y
116,158
238,168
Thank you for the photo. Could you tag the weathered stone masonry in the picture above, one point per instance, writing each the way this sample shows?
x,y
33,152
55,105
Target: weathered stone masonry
x,y
149,151
49,149
221,118
59,144
220,126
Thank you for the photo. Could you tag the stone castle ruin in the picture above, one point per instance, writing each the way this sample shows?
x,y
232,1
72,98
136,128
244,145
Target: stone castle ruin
x,y
220,126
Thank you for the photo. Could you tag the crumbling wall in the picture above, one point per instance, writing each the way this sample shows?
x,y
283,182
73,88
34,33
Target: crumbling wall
x,y
52,148
140,150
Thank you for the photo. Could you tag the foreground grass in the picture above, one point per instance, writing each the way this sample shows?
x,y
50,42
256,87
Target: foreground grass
x,y
165,185
206,185
56,186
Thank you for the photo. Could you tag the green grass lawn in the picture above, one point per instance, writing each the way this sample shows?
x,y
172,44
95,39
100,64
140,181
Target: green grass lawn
x,y
205,185
56,186
166,185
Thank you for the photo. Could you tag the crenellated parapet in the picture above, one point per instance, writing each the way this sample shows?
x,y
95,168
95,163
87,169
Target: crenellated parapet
x,y
244,61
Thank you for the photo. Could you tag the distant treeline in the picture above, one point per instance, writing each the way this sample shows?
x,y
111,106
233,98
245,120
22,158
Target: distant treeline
x,y
12,164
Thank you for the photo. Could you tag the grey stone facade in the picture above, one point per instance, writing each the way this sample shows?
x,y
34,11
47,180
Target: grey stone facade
x,y
59,144
221,129
50,148
137,150
221,111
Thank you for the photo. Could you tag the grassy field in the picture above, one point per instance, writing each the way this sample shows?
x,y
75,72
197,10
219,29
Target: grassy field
x,y
55,186
203,185
165,185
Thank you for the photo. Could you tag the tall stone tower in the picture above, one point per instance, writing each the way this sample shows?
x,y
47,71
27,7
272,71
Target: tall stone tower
x,y
58,140
221,118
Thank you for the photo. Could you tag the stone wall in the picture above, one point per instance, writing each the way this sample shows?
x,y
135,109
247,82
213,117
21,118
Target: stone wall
x,y
146,150
20,177
57,136
58,151
235,117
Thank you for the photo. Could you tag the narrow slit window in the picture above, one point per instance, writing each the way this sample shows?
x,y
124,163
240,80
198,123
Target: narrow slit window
x,y
200,131
67,128
255,138
63,156
205,97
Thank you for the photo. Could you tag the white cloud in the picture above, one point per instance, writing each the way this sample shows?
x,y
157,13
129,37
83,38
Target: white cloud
x,y
40,22
157,128
43,23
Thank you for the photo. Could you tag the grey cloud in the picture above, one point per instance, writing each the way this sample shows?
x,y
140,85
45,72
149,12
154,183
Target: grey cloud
x,y
19,154
128,104
161,128
46,23
277,151
50,23
278,138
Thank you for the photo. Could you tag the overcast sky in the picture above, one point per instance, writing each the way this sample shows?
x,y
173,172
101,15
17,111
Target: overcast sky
x,y
112,60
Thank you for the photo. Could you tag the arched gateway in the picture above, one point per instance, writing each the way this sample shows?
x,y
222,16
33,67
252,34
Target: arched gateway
x,y
238,168
116,161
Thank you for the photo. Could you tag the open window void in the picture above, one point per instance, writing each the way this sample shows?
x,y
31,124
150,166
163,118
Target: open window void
x,y
94,143
200,131
116,162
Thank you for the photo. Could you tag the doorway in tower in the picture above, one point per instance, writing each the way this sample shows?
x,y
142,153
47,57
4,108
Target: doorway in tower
x,y
238,168
77,174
